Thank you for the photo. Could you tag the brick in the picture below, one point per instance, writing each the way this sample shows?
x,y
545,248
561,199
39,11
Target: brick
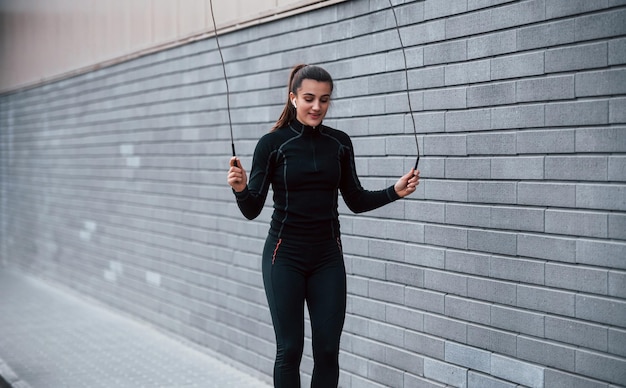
x,y
388,292
617,284
546,353
468,357
445,99
468,24
384,374
516,66
367,308
577,333
446,236
545,300
545,89
600,139
429,346
445,328
617,341
467,310
386,334
475,379
467,72
426,211
617,111
446,190
559,8
617,51
576,168
579,278
521,116
478,4
610,197
429,122
437,9
430,77
467,262
601,25
425,300
426,32
599,366
558,379
446,373
405,317
526,271
601,253
545,141
366,348
411,381
491,94
425,256
467,168
491,44
446,52
492,192
617,226
546,194
601,83
445,282
546,34
491,339
577,113
522,168
578,223
368,267
515,218
404,360
517,371
519,14
600,309
467,215
492,290
520,321
404,274
579,57
446,145
468,120
491,241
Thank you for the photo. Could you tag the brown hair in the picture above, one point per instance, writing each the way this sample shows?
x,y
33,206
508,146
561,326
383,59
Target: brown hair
x,y
298,74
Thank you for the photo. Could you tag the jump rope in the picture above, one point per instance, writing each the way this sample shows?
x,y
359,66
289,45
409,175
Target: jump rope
x,y
406,77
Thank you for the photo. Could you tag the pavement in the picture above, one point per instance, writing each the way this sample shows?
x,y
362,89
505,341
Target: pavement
x,y
51,337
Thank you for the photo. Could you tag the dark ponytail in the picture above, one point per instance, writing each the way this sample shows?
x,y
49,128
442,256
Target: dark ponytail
x,y
298,74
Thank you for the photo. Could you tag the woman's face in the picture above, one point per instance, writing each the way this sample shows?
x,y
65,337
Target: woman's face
x,y
312,102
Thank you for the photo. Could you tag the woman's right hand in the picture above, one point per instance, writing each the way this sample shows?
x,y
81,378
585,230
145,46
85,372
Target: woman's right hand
x,y
237,178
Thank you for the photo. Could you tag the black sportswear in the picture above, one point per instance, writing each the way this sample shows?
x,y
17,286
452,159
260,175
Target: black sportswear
x,y
305,167
302,258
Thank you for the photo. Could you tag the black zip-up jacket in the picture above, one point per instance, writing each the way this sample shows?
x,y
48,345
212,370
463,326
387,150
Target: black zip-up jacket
x,y
306,167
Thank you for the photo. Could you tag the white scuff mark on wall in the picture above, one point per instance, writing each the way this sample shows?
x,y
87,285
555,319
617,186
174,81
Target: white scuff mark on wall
x,y
89,227
127,149
153,278
115,269
134,161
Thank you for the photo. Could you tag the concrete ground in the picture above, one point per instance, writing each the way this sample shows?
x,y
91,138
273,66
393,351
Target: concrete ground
x,y
52,338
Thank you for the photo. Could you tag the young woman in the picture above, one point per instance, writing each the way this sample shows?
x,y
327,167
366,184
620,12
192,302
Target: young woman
x,y
306,163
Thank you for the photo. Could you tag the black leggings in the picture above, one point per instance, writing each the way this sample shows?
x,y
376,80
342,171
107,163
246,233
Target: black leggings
x,y
292,273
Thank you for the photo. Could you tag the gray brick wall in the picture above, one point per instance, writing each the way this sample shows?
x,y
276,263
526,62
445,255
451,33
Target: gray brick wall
x,y
507,267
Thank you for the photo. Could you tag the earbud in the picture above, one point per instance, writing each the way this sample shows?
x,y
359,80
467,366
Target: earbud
x,y
294,103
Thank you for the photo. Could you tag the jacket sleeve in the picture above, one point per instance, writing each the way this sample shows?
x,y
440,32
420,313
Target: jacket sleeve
x,y
358,199
251,199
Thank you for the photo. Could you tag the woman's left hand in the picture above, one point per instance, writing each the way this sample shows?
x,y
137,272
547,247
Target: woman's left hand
x,y
407,183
